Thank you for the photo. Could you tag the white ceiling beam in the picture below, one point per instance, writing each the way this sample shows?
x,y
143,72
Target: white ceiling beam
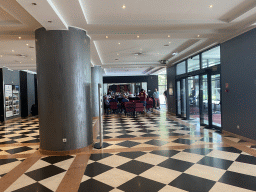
x,y
45,13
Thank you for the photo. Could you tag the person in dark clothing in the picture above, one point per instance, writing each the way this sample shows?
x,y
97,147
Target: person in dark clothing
x,y
113,99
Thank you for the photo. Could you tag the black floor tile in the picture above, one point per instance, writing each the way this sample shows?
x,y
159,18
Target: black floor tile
x,y
95,169
229,149
135,167
56,159
18,137
239,180
18,150
32,141
126,136
124,131
176,165
184,141
45,172
211,140
150,135
175,134
97,157
131,155
166,153
128,144
7,142
246,159
34,187
199,151
94,186
156,142
139,184
5,161
215,162
192,183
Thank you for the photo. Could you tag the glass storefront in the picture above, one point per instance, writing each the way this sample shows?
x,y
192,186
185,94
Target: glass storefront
x,y
199,88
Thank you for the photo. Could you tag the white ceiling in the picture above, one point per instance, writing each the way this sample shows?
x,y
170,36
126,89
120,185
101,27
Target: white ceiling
x,y
144,27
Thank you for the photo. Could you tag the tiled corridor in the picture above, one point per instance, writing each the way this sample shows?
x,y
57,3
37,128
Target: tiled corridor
x,y
156,152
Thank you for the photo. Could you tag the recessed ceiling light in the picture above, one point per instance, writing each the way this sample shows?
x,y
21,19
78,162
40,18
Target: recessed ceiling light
x,y
211,6
49,21
117,54
1,55
166,45
124,6
12,50
169,36
31,59
20,62
170,42
27,44
33,3
138,36
175,53
198,35
119,43
19,37
106,37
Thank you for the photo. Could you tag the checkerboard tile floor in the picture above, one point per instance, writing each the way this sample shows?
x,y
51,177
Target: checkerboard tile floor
x,y
44,176
13,150
6,165
144,126
194,170
21,131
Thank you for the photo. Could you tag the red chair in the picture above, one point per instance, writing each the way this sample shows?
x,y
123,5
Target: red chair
x,y
139,107
113,106
129,107
149,105
136,101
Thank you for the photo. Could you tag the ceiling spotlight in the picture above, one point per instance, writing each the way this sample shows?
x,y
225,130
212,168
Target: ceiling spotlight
x,y
12,50
19,37
106,37
170,42
119,43
27,44
138,36
124,6
169,36
1,55
117,54
20,62
198,35
33,3
175,53
211,6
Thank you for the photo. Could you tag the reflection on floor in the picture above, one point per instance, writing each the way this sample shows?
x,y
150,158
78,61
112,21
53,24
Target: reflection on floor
x,y
156,152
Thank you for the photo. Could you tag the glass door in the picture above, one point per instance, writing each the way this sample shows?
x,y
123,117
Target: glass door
x,y
178,99
204,90
183,98
193,93
216,108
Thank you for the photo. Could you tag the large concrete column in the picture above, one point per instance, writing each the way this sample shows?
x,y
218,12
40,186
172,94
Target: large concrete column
x,y
96,79
64,80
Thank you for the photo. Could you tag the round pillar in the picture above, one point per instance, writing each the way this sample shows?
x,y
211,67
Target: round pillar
x,y
64,81
96,79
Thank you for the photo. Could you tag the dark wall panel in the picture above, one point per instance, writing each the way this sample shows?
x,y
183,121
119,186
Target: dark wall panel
x,y
31,91
1,96
152,81
238,71
171,99
23,94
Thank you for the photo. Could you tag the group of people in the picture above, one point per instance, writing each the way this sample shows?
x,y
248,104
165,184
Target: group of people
x,y
124,98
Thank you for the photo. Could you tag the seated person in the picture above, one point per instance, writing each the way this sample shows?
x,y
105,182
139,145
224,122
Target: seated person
x,y
113,99
125,99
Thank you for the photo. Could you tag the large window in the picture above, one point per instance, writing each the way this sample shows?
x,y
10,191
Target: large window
x,y
181,68
211,57
162,86
194,63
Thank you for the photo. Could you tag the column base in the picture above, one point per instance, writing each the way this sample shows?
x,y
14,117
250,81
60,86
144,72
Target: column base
x,y
63,153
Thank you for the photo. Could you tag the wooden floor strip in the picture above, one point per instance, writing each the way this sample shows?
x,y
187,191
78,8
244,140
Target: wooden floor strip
x,y
18,171
73,177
